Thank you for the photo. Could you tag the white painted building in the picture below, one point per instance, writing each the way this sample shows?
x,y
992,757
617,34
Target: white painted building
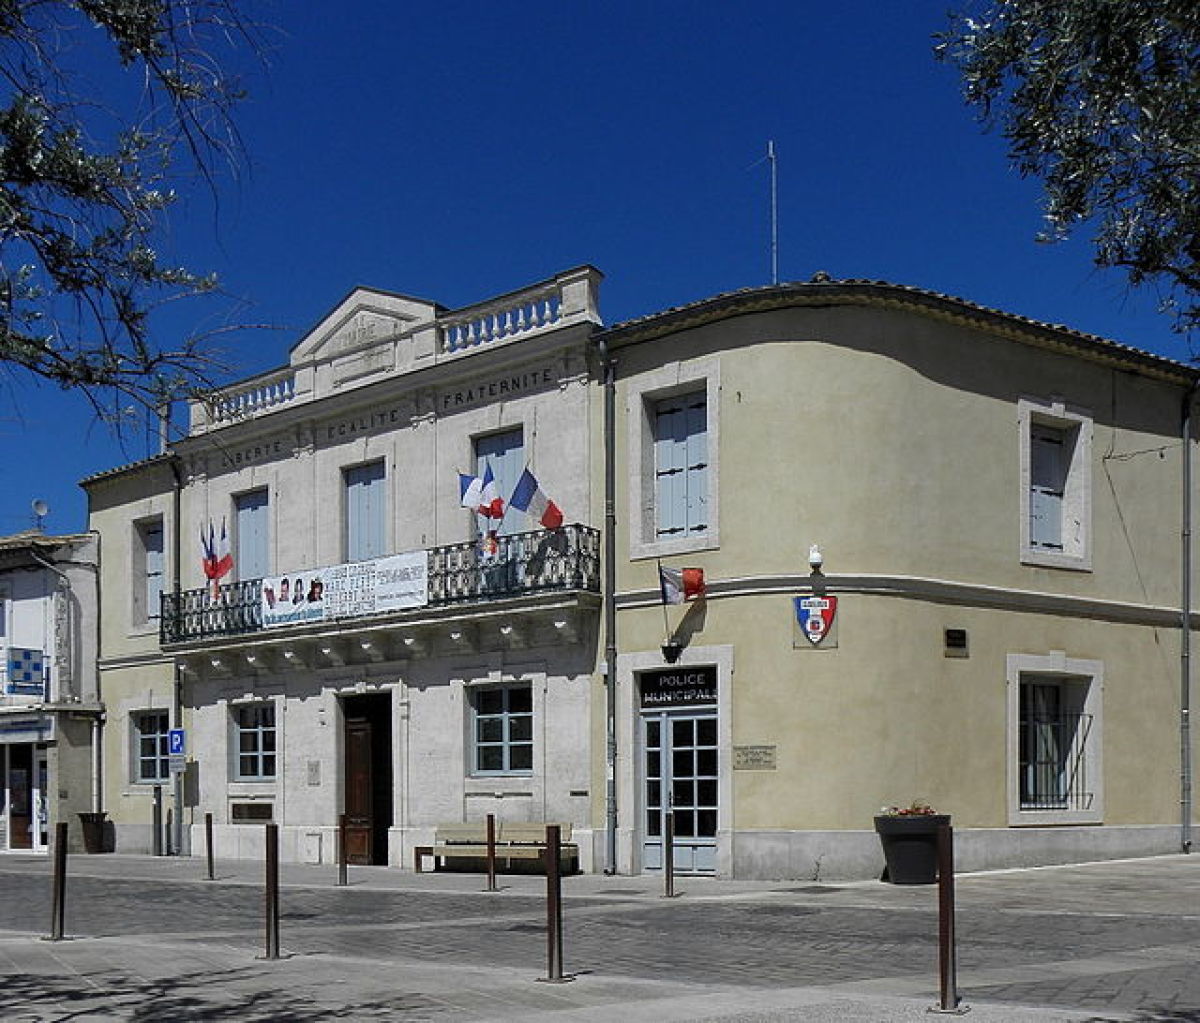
x,y
50,715
372,650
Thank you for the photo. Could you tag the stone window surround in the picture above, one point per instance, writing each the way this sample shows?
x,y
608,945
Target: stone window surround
x,y
645,391
1077,497
1055,664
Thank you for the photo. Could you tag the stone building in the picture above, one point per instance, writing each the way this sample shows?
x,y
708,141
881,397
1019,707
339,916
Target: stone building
x,y
941,559
376,648
50,714
942,548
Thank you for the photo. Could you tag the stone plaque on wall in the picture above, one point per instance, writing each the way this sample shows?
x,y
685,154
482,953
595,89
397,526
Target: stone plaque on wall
x,y
754,758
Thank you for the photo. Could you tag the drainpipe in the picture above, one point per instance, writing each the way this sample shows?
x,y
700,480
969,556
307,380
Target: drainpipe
x,y
177,674
608,367
97,763
1185,630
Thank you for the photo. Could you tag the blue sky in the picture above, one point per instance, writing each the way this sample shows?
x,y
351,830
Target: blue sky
x,y
461,150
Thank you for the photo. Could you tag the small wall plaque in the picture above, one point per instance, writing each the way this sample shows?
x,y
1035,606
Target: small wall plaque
x,y
754,758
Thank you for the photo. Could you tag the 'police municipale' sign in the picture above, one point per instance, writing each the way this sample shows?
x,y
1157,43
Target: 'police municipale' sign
x,y
679,687
814,617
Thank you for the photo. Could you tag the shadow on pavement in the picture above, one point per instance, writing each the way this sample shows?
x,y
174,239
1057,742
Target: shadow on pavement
x,y
196,996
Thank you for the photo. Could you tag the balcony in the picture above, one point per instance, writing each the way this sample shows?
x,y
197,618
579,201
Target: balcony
x,y
523,564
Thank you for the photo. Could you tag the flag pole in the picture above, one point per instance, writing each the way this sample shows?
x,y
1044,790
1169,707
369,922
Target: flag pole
x,y
774,213
663,599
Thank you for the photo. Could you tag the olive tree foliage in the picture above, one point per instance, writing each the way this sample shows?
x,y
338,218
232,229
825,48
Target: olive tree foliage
x,y
106,106
1100,100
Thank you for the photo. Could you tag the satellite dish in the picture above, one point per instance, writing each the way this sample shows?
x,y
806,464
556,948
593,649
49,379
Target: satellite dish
x,y
40,508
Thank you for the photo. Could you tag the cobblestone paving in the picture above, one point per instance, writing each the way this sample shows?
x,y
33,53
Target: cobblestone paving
x,y
1144,962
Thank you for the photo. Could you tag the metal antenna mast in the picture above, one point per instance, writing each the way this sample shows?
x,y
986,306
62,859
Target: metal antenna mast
x,y
774,214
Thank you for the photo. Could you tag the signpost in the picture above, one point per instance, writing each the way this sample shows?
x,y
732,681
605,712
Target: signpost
x,y
177,750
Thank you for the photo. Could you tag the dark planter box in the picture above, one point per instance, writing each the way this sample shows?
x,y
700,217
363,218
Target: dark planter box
x,y
910,847
93,832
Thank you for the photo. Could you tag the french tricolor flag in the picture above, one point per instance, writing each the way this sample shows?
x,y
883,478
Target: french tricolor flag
x,y
529,497
680,584
481,494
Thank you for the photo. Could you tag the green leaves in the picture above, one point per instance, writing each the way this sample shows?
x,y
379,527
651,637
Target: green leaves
x,y
1100,99
85,182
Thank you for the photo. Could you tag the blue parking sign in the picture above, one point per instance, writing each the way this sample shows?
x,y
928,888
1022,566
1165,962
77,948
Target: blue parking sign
x,y
175,743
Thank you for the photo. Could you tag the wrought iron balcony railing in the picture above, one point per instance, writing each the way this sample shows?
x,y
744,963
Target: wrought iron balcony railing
x,y
525,563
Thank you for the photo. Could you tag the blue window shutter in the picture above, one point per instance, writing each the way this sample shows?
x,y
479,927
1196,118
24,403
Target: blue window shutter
x,y
251,559
505,453
152,542
1047,482
681,465
366,511
670,469
697,464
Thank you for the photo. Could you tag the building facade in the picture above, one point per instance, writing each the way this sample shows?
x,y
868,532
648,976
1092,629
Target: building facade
x,y
50,714
942,548
941,552
375,648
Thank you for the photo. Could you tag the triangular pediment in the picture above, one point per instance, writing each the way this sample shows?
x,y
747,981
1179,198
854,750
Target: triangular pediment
x,y
363,319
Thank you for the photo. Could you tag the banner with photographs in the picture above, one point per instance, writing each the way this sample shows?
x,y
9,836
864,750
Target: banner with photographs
x,y
394,583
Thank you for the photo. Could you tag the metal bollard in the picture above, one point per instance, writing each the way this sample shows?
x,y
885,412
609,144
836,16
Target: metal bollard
x,y
158,823
949,1001
272,892
669,856
491,853
554,956
58,901
208,844
343,866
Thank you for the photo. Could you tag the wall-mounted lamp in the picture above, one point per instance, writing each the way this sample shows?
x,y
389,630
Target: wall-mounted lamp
x,y
815,559
671,652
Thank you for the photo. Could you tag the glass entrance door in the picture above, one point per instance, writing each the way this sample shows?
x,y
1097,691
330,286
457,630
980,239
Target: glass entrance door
x,y
680,772
40,825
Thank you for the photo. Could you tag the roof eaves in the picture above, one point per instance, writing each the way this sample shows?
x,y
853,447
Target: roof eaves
x,y
120,470
883,293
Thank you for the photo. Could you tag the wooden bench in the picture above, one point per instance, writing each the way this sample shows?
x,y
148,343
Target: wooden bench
x,y
515,840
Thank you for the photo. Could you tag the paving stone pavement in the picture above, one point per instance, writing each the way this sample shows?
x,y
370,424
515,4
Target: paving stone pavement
x,y
151,939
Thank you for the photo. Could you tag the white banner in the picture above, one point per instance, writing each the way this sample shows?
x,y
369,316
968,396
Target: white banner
x,y
393,583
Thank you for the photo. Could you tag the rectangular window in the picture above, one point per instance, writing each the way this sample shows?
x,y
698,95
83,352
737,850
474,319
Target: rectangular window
x,y
255,729
681,466
1054,733
1055,486
504,730
1054,715
505,454
147,571
250,559
366,511
151,737
1049,457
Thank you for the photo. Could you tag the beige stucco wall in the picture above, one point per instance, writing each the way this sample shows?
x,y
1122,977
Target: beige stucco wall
x,y
892,440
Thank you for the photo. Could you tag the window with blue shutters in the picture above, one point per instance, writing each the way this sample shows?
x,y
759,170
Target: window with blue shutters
x,y
681,465
505,453
148,568
1056,488
366,511
250,559
1047,483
